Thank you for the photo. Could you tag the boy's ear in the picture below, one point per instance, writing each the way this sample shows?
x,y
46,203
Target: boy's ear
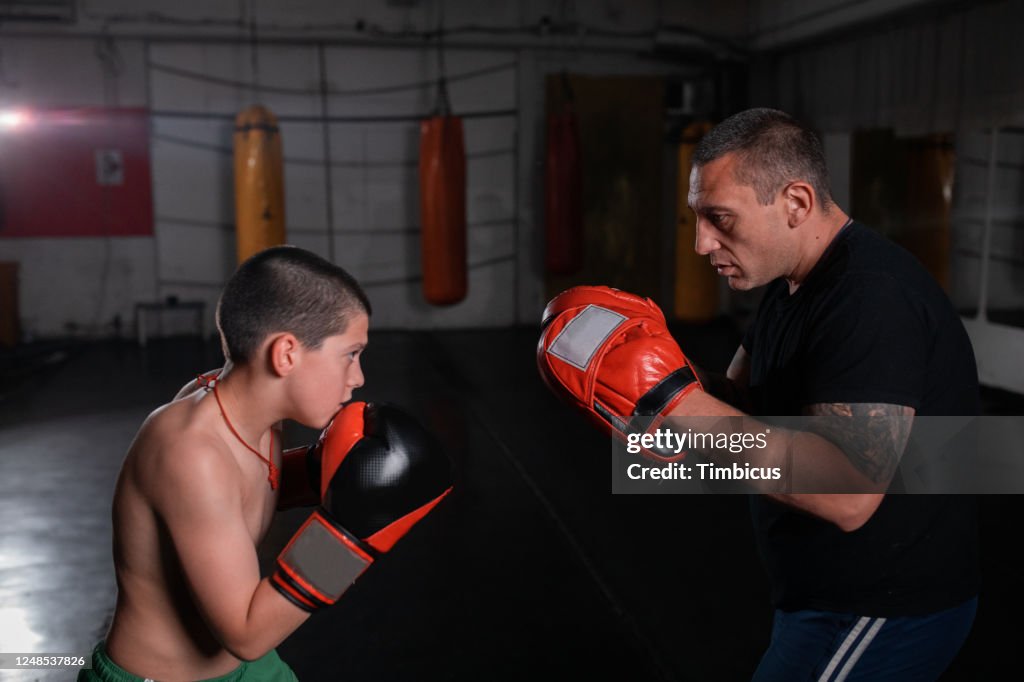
x,y
284,353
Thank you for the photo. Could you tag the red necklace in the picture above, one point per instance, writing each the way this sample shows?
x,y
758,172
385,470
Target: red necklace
x,y
209,381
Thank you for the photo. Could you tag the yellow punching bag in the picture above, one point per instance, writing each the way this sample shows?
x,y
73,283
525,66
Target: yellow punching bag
x,y
259,182
696,283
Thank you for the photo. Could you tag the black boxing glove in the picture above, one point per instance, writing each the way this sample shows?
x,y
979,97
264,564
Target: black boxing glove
x,y
380,473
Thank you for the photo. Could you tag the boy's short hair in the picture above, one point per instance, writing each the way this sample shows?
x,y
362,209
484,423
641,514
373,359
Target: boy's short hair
x,y
286,289
774,149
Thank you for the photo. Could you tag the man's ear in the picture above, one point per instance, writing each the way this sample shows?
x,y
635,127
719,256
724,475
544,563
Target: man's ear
x,y
285,350
800,200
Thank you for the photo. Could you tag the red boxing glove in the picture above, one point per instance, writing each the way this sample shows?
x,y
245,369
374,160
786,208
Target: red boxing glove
x,y
610,354
299,485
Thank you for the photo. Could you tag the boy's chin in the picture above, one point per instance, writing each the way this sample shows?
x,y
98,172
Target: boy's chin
x,y
318,422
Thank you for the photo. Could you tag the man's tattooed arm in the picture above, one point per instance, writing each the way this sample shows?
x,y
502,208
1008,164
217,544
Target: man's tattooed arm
x,y
873,440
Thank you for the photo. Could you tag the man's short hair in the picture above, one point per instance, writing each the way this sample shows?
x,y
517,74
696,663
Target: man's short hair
x,y
286,289
774,149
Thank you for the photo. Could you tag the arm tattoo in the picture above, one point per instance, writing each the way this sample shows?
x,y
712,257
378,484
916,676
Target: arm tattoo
x,y
873,446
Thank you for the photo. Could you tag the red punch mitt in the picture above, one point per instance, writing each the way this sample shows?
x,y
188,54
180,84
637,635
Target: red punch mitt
x,y
609,353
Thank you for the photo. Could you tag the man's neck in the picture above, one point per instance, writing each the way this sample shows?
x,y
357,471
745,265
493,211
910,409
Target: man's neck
x,y
818,241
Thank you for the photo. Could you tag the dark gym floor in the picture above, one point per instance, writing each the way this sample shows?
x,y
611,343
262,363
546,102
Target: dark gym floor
x,y
531,568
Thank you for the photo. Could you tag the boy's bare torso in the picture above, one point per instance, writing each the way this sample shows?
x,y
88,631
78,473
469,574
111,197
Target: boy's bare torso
x,y
157,630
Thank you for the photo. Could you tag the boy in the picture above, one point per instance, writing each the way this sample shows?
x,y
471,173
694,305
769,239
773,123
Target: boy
x,y
206,472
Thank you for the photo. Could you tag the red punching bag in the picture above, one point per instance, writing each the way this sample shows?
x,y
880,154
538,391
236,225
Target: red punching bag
x,y
443,210
563,197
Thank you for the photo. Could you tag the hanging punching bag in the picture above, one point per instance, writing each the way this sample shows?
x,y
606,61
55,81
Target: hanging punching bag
x,y
696,283
563,198
259,182
443,210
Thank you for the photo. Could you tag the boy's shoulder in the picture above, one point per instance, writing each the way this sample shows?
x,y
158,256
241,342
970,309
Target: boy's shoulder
x,y
178,446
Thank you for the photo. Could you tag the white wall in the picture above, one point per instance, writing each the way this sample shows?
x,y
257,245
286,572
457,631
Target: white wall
x,y
84,283
776,23
75,284
374,185
953,70
976,198
837,148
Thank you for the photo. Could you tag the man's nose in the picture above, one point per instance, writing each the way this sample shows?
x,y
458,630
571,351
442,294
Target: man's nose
x,y
706,241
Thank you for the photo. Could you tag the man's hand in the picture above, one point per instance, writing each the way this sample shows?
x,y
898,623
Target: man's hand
x,y
609,353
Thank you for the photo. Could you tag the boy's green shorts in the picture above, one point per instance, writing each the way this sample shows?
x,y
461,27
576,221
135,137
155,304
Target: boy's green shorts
x,y
269,668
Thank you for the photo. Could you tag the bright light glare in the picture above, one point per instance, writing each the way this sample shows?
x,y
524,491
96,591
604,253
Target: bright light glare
x,y
12,118
16,633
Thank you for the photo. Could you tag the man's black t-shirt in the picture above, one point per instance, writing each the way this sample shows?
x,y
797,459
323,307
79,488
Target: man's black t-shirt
x,y
868,325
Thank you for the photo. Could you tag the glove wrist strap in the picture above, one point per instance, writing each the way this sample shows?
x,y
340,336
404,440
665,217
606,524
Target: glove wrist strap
x,y
657,399
320,563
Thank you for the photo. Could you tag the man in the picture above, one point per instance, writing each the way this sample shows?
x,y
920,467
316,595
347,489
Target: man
x,y
866,585
200,484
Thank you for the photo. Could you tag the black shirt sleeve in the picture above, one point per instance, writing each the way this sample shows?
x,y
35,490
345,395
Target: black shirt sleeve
x,y
868,343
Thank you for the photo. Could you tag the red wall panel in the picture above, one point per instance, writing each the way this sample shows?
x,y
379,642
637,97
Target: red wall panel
x,y
75,173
